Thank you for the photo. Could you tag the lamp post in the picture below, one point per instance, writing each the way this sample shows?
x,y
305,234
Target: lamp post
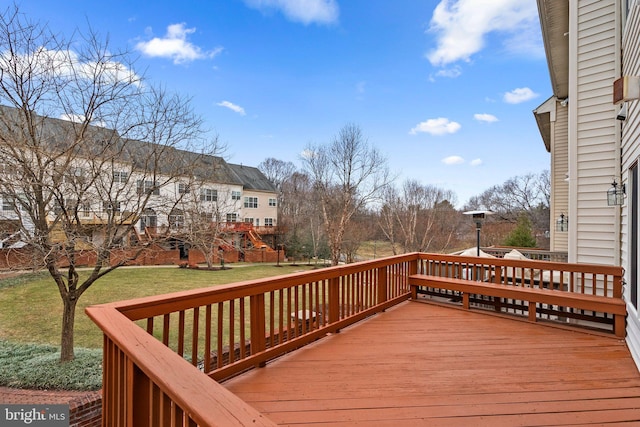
x,y
478,217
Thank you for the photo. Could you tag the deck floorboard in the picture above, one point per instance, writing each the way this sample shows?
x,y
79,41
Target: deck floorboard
x,y
424,364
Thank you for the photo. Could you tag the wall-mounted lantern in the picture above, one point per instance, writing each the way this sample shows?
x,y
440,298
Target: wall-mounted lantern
x,y
562,223
616,194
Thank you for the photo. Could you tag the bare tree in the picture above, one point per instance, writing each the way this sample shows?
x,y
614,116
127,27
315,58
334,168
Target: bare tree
x,y
86,146
525,194
347,175
519,194
419,217
299,214
277,171
200,219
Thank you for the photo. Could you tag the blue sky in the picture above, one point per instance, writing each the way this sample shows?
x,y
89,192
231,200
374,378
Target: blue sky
x,y
444,89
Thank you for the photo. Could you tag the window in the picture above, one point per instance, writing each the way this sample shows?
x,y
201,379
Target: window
x,y
268,222
232,217
250,202
111,206
176,219
248,220
84,209
235,195
7,204
71,207
148,187
120,177
208,195
75,176
272,202
183,188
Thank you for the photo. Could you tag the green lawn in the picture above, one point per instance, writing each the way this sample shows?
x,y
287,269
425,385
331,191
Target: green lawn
x,y
32,309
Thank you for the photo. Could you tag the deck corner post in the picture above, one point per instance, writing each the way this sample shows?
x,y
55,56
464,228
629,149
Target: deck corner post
x,y
382,285
617,286
258,324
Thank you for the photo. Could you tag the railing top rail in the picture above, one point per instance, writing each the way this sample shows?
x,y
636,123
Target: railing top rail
x,y
206,401
536,264
141,308
156,305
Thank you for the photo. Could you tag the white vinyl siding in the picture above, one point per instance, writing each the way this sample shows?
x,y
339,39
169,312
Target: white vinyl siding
x,y
593,162
560,173
630,156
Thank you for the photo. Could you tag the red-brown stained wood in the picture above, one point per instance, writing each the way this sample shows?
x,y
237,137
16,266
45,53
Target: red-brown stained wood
x,y
426,365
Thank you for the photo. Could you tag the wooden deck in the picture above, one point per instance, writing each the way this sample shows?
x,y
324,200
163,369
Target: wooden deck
x,y
428,365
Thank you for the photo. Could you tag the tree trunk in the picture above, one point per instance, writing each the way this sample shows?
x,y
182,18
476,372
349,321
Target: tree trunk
x,y
68,321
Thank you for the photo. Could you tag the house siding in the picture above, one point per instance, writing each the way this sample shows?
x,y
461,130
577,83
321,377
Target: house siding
x,y
560,172
630,148
594,158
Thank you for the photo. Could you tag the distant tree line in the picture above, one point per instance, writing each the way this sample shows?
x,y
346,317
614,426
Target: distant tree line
x,y
343,195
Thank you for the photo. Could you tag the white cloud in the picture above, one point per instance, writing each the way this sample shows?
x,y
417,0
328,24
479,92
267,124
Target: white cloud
x,y
175,46
233,107
451,73
519,95
67,64
476,162
304,11
462,25
453,160
487,118
439,126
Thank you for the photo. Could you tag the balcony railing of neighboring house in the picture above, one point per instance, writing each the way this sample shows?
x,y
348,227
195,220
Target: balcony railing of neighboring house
x,y
163,355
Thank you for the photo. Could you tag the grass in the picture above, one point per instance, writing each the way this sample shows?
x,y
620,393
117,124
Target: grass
x,y
30,319
374,249
32,309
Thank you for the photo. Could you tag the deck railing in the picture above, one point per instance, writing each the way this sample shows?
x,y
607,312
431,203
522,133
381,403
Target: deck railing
x,y
587,279
225,330
163,355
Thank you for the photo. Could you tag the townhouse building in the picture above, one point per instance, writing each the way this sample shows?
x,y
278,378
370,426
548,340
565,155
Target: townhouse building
x,y
106,182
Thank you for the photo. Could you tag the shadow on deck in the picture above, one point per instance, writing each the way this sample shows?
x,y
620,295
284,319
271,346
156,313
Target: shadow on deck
x,y
425,364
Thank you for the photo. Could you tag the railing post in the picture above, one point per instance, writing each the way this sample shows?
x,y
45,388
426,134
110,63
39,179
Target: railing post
x,y
413,269
617,286
334,300
382,285
258,325
620,322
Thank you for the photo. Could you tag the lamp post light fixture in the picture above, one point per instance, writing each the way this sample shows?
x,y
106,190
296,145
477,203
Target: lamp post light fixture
x,y
562,223
478,217
616,194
